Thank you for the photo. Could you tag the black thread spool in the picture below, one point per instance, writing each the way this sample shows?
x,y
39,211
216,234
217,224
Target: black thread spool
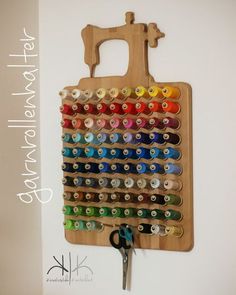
x,y
91,197
68,167
67,180
171,138
145,228
158,199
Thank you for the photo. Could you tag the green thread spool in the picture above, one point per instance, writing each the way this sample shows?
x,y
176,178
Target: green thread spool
x,y
118,212
105,212
80,210
158,214
130,212
173,215
69,224
80,225
68,210
173,230
172,200
143,213
92,211
94,225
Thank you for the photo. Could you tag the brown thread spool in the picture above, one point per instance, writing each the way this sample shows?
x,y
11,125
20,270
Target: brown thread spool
x,y
88,93
103,197
172,185
171,138
143,198
142,183
128,198
173,230
115,197
91,197
68,196
79,196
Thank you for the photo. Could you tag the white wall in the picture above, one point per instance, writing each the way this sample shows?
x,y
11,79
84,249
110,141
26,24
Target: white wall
x,y
199,48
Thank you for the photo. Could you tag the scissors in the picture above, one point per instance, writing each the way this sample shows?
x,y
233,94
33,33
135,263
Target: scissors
x,y
118,240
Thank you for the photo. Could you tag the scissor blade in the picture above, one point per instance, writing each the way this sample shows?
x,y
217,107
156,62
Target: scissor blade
x,y
125,269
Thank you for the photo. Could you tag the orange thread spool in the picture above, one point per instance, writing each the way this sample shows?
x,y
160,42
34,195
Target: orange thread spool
x,y
171,107
155,106
171,92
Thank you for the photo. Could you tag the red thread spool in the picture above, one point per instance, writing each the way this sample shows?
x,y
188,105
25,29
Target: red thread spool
x,y
66,123
103,108
67,109
171,107
90,108
129,108
142,123
78,108
142,107
78,124
155,106
116,108
155,122
171,122
102,123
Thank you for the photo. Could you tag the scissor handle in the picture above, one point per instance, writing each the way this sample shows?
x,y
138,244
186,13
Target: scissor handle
x,y
122,243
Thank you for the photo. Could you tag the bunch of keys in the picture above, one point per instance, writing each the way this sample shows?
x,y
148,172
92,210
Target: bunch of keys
x,y
123,240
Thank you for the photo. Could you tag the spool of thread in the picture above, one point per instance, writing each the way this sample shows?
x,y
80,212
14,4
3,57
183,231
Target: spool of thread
x,y
78,138
67,110
171,107
171,168
129,138
104,153
80,225
91,197
117,168
69,224
68,196
155,107
156,123
142,183
128,198
144,228
158,199
142,107
66,137
143,153
78,152
91,138
91,182
143,213
158,214
102,93
173,230
155,91
157,138
142,168
118,212
171,199
77,94
78,108
103,108
173,215
116,123
116,108
129,182
104,167
117,183
103,138
141,91
116,93
103,197
93,225
79,181
78,124
158,229
171,122
171,138
103,124
171,92
156,183
104,182
130,153
171,153
92,211
79,210
66,123
130,212
129,108
89,94
128,92
91,152
142,137
92,167
67,152
79,196
143,198
157,168
172,185
67,167
64,93
105,212
156,153
115,197
117,153
68,210
116,138
142,123
130,168
90,108
129,123
90,123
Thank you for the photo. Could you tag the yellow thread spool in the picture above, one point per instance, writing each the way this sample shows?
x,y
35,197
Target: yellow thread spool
x,y
171,92
155,91
141,91
173,230
128,92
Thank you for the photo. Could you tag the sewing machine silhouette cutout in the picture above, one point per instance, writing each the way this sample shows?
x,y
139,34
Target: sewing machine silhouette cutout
x,y
138,36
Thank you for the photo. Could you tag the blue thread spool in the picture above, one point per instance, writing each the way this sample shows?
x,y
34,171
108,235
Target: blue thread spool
x,y
104,153
142,168
171,168
91,152
143,138
67,180
130,168
79,181
130,153
78,152
117,168
91,182
78,137
117,153
157,168
67,167
156,153
66,137
156,137
116,138
79,167
170,153
104,167
103,137
91,138
143,153
129,138
91,167
67,152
